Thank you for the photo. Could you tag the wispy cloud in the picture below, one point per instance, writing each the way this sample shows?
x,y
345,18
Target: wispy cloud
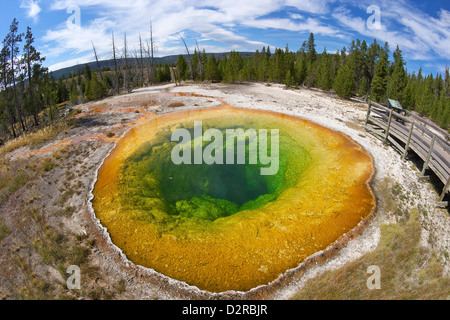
x,y
420,35
32,7
312,6
228,24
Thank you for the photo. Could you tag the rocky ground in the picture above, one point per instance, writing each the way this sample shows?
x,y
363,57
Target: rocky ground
x,y
47,223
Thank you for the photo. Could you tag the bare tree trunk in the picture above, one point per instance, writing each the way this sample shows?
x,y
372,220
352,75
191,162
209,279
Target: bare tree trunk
x,y
148,64
98,64
115,64
16,101
152,48
199,61
11,120
126,72
141,50
30,92
137,69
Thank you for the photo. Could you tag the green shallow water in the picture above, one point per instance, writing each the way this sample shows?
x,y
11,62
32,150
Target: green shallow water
x,y
150,179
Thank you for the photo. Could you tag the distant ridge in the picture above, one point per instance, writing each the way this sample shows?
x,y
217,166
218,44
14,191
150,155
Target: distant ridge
x,y
170,60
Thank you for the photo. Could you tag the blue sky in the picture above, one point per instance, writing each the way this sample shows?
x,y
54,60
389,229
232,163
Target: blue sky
x,y
421,29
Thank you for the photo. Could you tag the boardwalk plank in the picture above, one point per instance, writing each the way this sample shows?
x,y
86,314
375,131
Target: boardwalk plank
x,y
419,140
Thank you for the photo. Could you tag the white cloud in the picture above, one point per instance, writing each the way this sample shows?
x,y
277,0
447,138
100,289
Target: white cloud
x,y
420,36
222,22
312,6
168,18
296,16
32,7
310,25
433,33
70,63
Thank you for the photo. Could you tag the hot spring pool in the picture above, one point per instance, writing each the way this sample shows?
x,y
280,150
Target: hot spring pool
x,y
228,227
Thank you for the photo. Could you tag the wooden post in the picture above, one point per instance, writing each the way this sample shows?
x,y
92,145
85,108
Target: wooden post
x,y
409,141
368,114
425,165
445,190
388,126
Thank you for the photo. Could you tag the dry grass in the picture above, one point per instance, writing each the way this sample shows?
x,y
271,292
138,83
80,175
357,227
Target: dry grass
x,y
12,179
408,270
4,231
60,250
33,138
354,126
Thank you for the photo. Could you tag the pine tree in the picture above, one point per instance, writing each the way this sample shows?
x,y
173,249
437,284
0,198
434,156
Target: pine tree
x,y
233,67
4,73
12,41
344,84
212,70
380,79
398,80
74,93
88,93
354,61
290,80
62,92
262,66
182,67
50,96
31,58
278,66
98,90
408,96
311,58
325,72
311,49
425,96
363,87
195,60
447,82
166,73
301,68
445,120
372,57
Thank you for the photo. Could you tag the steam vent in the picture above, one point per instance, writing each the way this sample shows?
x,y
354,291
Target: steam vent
x,y
228,227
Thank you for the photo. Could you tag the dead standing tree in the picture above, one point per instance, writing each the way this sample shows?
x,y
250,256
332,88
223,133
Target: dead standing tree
x,y
126,74
116,70
200,62
99,71
151,73
137,70
189,56
141,64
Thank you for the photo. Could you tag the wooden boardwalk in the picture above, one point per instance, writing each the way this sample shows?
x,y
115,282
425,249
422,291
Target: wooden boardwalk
x,y
410,133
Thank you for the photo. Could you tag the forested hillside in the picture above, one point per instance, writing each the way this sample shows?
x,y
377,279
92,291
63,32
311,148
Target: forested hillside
x,y
362,69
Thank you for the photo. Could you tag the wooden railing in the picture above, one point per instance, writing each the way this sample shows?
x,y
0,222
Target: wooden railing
x,y
411,133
